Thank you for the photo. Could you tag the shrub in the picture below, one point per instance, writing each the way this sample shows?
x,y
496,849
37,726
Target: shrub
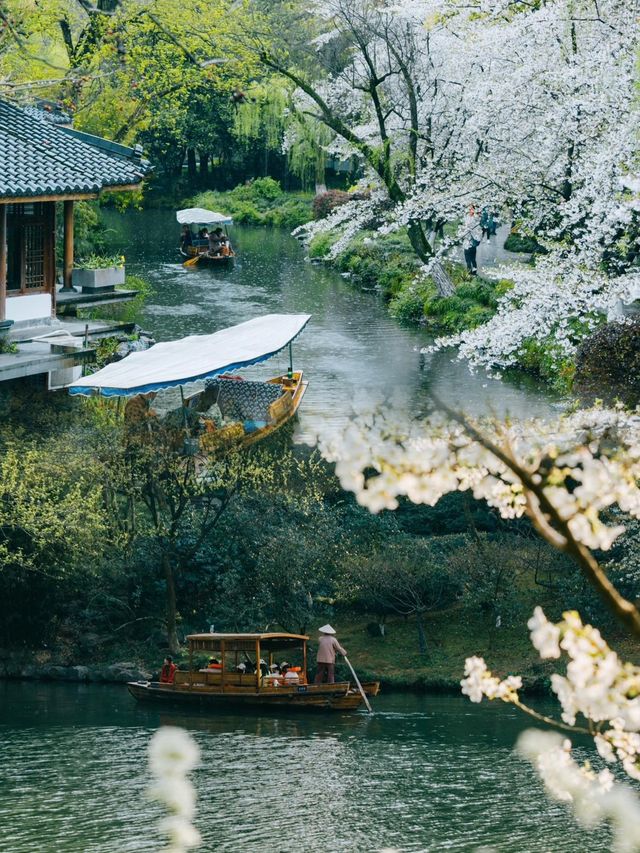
x,y
321,243
608,364
516,242
324,203
546,360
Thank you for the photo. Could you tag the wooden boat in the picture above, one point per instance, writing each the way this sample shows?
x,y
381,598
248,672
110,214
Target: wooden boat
x,y
229,686
250,410
202,218
292,389
205,256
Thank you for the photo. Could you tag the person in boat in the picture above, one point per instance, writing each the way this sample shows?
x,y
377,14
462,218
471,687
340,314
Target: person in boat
x,y
214,664
215,242
327,648
289,673
275,669
225,244
186,238
203,233
168,671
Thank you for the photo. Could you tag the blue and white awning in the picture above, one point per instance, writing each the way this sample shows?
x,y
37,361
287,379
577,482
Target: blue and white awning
x,y
173,363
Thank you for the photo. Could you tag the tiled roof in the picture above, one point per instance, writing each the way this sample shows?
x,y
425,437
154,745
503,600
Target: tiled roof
x,y
37,158
47,113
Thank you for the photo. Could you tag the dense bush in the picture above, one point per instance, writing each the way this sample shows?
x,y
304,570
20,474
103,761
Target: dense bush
x,y
259,202
608,364
517,242
324,203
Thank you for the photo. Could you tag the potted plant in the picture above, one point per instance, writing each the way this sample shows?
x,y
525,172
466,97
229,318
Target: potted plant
x,y
98,273
6,345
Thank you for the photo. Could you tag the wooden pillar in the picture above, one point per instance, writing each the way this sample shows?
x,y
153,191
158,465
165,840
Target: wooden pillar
x,y
304,661
3,260
222,650
67,263
50,249
258,673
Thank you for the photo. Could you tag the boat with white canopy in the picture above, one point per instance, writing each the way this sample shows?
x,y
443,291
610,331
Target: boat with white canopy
x,y
229,408
210,243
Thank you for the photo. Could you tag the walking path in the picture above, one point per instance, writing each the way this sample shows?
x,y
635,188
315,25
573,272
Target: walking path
x,y
492,253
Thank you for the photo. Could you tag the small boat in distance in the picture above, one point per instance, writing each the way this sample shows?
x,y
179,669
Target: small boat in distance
x,y
229,410
197,248
242,675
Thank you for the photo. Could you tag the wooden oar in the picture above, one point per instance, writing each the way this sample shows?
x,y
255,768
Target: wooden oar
x,y
192,261
357,681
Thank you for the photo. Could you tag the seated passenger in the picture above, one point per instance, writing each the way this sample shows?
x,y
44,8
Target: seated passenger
x,y
214,663
186,239
275,669
264,667
291,676
168,671
215,242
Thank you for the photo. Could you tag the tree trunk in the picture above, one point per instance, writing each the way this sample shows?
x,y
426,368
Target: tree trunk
x,y
424,251
204,165
442,281
172,633
422,637
191,163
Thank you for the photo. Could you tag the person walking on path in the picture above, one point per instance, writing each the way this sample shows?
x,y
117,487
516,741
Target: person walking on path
x,y
327,648
471,240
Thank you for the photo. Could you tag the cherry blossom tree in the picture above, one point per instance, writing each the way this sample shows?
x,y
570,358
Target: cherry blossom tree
x,y
567,476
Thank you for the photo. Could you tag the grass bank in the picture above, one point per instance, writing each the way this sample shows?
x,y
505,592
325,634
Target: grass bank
x,y
387,263
259,202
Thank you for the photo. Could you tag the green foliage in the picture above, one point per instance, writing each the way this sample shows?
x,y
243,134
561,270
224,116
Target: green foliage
x,y
546,360
97,262
473,303
526,243
259,202
321,244
608,364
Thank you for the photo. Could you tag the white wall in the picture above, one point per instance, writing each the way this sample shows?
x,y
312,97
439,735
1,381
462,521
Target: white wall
x,y
35,306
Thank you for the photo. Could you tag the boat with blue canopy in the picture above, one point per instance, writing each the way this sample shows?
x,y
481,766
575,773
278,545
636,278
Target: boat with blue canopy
x,y
229,408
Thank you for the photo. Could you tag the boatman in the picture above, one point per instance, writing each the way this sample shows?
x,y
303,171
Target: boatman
x,y
327,648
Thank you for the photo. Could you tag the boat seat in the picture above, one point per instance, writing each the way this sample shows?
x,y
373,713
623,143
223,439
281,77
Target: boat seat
x,y
244,401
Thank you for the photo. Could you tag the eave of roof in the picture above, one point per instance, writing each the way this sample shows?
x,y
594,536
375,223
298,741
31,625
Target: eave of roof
x,y
218,637
39,159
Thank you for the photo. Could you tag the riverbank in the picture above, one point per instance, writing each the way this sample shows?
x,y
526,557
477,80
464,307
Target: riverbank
x,y
394,659
258,202
387,264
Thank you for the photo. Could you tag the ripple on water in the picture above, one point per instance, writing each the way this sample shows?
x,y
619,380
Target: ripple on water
x,y
420,775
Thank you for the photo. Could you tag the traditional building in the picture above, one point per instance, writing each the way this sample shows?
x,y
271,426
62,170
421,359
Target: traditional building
x,y
41,163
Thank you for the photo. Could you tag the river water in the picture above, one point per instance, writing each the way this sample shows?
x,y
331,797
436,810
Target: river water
x,y
425,773
352,350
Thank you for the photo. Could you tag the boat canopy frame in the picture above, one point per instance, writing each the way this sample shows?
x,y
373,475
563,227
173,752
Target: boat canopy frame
x,y
248,343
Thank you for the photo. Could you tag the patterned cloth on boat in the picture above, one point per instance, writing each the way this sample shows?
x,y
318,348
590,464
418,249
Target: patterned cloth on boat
x,y
244,401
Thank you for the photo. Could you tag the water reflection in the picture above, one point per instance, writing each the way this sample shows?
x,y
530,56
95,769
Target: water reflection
x,y
425,773
352,348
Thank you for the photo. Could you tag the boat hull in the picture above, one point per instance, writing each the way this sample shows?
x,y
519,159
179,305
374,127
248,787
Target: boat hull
x,y
210,260
313,697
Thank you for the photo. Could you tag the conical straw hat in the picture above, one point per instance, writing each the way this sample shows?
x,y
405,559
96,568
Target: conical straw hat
x,y
326,629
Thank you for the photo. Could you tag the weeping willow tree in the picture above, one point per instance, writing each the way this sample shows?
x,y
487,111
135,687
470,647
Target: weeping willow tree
x,y
307,151
264,116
